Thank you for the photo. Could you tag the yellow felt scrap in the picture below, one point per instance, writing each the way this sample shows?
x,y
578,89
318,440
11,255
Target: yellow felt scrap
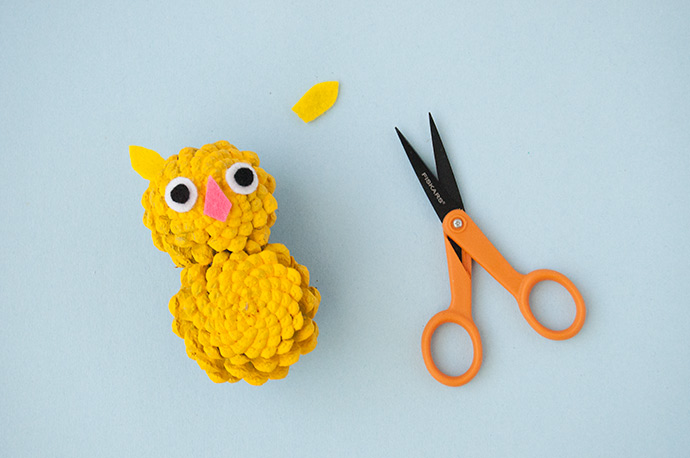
x,y
316,100
146,162
245,308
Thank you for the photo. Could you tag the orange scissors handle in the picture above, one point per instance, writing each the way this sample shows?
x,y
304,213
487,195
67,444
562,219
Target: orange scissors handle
x,y
460,313
462,230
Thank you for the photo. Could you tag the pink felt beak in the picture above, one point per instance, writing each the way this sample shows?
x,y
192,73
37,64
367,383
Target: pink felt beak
x,y
216,205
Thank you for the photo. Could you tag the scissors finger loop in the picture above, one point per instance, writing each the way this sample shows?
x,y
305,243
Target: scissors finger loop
x,y
434,323
526,286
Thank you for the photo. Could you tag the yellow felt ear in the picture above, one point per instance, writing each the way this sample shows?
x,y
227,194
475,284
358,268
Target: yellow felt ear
x,y
146,162
316,100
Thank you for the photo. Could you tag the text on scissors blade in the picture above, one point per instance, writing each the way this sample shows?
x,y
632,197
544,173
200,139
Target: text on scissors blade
x,y
432,188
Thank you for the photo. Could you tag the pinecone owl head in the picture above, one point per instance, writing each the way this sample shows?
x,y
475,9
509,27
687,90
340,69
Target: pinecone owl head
x,y
203,201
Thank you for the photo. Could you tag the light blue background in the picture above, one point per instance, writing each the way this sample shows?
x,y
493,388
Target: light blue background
x,y
567,123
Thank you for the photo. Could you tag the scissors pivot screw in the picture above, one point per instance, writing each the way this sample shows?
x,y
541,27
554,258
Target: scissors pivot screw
x,y
457,223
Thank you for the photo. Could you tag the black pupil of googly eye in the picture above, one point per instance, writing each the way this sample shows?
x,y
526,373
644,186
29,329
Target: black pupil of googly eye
x,y
180,193
244,176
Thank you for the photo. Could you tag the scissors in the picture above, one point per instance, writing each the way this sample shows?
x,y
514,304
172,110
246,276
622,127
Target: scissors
x,y
464,242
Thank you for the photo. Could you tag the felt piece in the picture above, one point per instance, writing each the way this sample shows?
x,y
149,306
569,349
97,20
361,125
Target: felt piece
x,y
245,308
146,162
241,177
316,100
244,177
216,205
180,194
180,187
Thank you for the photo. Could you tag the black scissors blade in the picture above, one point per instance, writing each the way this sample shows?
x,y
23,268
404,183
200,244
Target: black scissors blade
x,y
442,200
443,169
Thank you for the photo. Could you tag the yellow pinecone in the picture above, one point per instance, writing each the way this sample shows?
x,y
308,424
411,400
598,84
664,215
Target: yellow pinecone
x,y
247,316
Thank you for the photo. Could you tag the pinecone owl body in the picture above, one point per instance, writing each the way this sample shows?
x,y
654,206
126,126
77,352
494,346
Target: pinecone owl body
x,y
245,309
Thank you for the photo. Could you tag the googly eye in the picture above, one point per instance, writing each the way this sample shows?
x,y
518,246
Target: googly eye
x,y
241,178
180,194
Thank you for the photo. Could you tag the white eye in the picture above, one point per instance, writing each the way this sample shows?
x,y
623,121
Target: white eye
x,y
241,178
180,194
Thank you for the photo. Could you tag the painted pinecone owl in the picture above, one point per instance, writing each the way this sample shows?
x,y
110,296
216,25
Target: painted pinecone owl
x,y
245,309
